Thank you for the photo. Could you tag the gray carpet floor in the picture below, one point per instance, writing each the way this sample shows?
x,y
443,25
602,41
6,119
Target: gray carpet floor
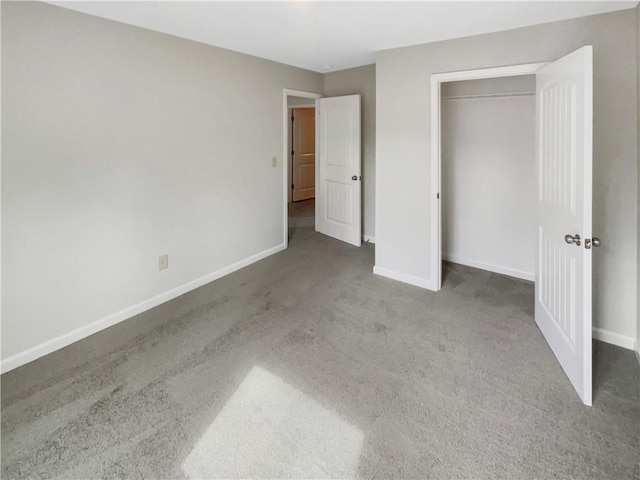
x,y
307,365
302,214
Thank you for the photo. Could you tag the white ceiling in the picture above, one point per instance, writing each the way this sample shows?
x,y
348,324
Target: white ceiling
x,y
328,36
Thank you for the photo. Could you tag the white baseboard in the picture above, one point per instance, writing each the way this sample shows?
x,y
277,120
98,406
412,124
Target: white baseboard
x,y
608,336
57,343
369,238
403,277
489,267
66,339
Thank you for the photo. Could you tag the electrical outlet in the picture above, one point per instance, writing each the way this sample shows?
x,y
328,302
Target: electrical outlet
x,y
163,262
274,161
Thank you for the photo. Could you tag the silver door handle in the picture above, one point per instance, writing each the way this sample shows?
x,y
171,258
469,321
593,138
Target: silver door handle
x,y
575,239
595,241
355,177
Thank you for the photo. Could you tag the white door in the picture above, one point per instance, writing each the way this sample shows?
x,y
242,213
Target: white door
x,y
338,152
563,160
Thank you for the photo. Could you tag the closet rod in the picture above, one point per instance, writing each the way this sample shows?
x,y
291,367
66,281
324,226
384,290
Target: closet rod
x,y
490,95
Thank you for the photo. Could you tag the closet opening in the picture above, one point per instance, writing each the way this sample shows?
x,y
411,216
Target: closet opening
x,y
490,90
488,177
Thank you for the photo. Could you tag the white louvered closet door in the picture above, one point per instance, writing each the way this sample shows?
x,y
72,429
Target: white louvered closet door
x,y
564,161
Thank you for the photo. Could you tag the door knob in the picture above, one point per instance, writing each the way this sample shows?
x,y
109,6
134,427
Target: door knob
x,y
355,177
595,241
575,239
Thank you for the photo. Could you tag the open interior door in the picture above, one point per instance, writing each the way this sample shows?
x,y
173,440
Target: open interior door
x,y
338,211
564,91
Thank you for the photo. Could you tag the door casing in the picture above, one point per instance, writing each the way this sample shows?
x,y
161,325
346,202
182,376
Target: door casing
x,y
437,79
288,92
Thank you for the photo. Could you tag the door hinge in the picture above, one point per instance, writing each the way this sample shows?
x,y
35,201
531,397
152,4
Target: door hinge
x,y
292,118
292,152
438,195
292,186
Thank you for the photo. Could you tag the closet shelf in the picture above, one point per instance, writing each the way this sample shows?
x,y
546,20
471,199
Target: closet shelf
x,y
489,95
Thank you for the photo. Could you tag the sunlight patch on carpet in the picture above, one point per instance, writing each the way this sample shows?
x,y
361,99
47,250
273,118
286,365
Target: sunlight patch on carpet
x,y
268,429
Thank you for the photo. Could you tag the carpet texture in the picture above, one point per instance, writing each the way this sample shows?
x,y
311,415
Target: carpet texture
x,y
306,365
302,214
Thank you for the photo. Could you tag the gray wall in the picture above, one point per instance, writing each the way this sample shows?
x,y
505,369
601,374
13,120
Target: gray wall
x,y
121,144
361,80
403,146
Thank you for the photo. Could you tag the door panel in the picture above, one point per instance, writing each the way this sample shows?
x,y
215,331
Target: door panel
x,y
564,161
304,153
338,203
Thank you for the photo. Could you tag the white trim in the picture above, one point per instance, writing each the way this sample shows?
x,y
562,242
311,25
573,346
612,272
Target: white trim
x,y
305,105
65,339
368,238
403,277
531,276
614,338
436,80
286,92
492,72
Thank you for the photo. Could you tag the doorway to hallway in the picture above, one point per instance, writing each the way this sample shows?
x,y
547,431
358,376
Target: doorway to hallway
x,y
302,213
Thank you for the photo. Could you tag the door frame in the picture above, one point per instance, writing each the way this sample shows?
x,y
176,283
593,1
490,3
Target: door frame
x,y
289,92
437,79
